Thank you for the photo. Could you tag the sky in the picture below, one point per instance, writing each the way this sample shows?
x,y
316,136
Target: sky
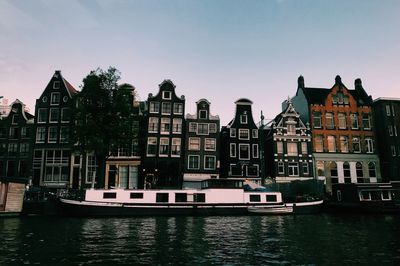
x,y
214,49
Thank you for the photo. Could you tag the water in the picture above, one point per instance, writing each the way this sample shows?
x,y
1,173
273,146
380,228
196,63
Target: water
x,y
251,240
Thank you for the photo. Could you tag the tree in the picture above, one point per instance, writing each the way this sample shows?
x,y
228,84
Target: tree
x,y
103,115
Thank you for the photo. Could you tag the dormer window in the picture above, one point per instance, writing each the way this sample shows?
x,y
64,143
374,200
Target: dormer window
x,y
203,114
56,85
243,119
166,95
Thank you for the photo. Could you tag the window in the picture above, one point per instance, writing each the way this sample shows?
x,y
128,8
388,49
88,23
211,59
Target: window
x,y
359,170
304,149
180,197
193,162
25,132
178,108
393,148
153,124
344,144
177,125
42,115
331,144
317,120
291,128
369,145
252,170
109,195
166,95
279,147
305,168
54,112
166,108
235,170
65,115
356,144
244,151
136,195
354,121
15,119
176,146
12,149
333,168
271,198
162,197
342,121
209,162
371,169
194,144
395,130
202,129
330,123
199,197
244,134
292,149
390,130
91,168
210,144
192,127
319,143
320,168
255,150
56,85
64,134
388,110
14,132
232,147
346,169
366,121
164,146
203,114
243,119
154,107
53,132
281,168
151,146
255,133
293,169
55,98
233,132
40,134
212,127
255,198
165,125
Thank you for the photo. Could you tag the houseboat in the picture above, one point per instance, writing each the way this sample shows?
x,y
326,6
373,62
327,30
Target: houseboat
x,y
365,198
216,197
12,195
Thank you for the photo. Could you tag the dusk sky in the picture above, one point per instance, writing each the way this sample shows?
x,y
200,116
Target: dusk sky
x,y
218,50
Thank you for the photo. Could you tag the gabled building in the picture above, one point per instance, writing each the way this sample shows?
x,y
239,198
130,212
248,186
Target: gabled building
x,y
387,131
239,150
52,148
288,147
16,132
162,162
202,143
342,132
123,162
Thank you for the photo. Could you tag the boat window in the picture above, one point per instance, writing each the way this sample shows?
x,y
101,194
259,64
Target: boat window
x,y
386,195
162,197
255,198
271,198
180,197
200,197
135,195
364,195
109,195
375,195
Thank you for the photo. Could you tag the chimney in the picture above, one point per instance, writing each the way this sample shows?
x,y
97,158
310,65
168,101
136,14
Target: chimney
x,y
300,82
359,88
338,80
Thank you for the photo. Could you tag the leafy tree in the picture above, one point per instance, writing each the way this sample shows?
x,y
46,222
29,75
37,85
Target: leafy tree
x,y
103,115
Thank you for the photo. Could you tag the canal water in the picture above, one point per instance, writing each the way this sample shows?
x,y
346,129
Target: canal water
x,y
232,240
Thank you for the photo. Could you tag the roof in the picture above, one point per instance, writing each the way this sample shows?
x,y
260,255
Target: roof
x,y
69,87
243,101
316,95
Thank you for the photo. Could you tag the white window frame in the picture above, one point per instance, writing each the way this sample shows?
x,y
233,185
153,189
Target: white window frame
x,y
232,132
294,144
192,127
254,133
359,144
198,162
305,166
354,117
255,151
241,130
212,128
176,142
56,85
163,125
164,95
162,108
48,135
292,165
163,144
248,148
232,150
190,142
155,122
57,110
243,119
281,166
212,140
43,134
177,124
180,109
52,97
200,114
154,107
154,144
369,145
215,162
198,126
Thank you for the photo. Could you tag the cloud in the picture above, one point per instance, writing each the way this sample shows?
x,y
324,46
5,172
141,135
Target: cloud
x,y
12,17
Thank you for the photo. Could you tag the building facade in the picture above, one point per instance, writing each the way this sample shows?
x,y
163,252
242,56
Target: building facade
x,y
202,143
16,130
288,147
387,126
52,158
240,143
342,132
162,162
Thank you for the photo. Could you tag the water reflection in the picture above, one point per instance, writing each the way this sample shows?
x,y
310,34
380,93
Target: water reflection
x,y
251,240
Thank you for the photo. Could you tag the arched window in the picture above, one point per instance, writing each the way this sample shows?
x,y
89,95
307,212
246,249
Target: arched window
x,y
371,169
359,170
333,167
320,168
346,169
